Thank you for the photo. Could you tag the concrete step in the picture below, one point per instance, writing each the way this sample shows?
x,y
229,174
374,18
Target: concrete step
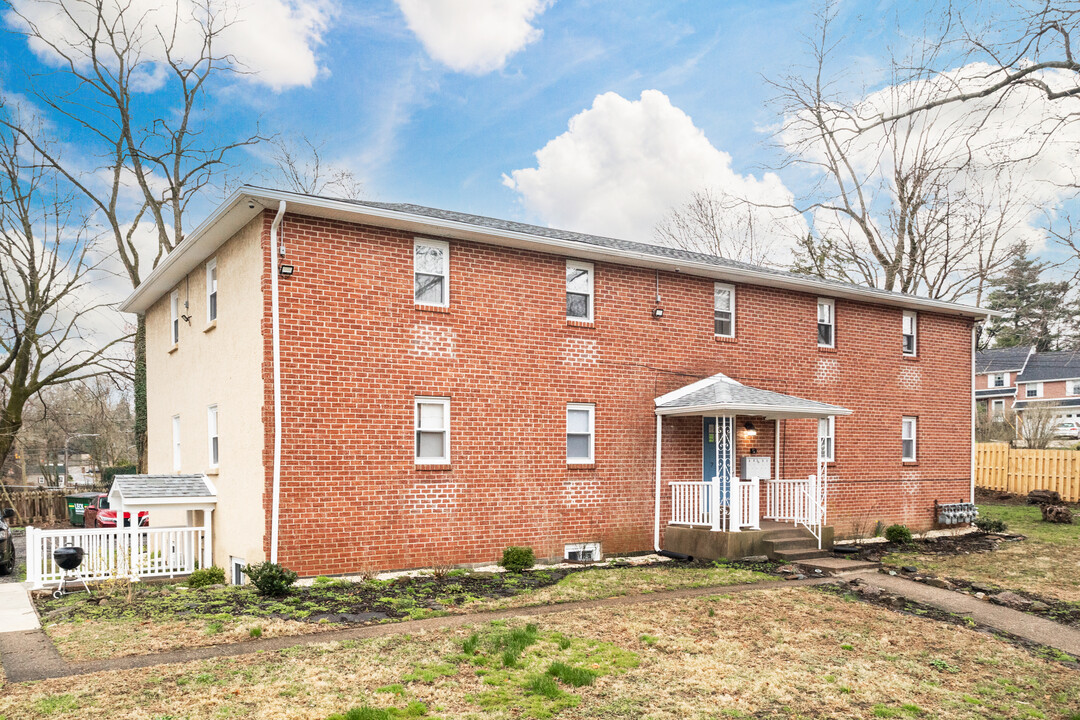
x,y
800,556
838,566
788,533
794,543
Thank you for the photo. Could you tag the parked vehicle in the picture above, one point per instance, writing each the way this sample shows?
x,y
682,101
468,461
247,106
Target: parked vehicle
x,y
1068,429
98,514
7,544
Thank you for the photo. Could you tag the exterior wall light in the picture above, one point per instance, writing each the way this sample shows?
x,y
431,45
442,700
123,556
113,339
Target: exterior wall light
x,y
658,313
286,270
751,431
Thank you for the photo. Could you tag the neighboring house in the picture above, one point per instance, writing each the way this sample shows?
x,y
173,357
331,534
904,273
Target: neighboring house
x,y
1018,378
442,385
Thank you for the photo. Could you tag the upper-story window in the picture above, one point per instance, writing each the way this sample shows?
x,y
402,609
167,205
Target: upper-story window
x,y
911,329
724,310
431,272
432,424
579,290
212,435
826,323
826,438
174,316
999,380
1033,390
1072,387
211,291
580,433
907,436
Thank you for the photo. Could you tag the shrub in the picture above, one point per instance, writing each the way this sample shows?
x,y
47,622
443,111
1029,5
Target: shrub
x,y
202,577
991,525
270,579
898,534
517,559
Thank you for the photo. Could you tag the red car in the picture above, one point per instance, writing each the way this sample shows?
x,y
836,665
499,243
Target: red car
x,y
98,514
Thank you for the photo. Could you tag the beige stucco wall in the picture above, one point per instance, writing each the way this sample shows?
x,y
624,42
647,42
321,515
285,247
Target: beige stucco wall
x,y
221,365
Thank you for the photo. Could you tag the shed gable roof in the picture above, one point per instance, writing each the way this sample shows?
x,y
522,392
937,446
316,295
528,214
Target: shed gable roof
x,y
132,487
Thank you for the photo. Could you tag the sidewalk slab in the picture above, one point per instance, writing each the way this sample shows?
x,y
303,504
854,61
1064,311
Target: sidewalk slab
x,y
1030,627
16,611
838,566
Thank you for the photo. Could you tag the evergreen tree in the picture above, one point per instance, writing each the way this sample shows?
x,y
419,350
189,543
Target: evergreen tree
x,y
1036,312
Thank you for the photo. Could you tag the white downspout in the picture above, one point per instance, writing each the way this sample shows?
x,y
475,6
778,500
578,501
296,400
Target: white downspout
x,y
276,340
656,524
974,410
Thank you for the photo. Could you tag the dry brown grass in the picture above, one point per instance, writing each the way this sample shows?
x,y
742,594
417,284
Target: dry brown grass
x,y
772,653
96,639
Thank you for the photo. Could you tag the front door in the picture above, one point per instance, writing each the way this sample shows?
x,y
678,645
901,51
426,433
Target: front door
x,y
710,439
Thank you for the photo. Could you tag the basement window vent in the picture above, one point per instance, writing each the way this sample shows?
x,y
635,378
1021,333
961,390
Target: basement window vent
x,y
582,552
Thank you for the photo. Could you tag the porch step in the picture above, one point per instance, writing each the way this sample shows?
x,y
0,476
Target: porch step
x,y
789,534
799,556
838,566
791,543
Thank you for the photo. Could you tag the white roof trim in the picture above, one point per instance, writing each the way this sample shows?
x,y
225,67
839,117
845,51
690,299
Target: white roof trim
x,y
247,202
694,387
766,411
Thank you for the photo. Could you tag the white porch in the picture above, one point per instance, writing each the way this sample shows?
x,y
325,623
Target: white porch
x,y
724,502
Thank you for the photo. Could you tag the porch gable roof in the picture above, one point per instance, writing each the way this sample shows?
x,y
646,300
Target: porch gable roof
x,y
174,490
720,395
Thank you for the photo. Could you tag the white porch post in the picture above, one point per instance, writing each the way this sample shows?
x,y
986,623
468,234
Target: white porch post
x,y
735,519
656,520
208,538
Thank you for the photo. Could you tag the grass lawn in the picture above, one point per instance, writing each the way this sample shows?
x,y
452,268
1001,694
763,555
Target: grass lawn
x,y
791,652
1047,563
159,619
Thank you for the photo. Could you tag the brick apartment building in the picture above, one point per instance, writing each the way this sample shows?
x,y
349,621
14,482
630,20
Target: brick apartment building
x,y
445,385
1013,379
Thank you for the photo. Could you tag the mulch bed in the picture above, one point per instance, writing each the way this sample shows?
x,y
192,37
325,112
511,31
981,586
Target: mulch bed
x,y
975,542
996,497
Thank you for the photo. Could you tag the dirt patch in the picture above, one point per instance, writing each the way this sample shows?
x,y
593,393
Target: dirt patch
x,y
996,497
975,542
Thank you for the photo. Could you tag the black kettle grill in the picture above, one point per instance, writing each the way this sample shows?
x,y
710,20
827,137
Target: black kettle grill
x,y
69,558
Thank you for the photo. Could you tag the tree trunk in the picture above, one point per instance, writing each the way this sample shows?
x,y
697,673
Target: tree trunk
x,y
140,395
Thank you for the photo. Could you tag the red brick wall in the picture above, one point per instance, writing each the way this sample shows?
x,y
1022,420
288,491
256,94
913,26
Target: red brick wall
x,y
355,352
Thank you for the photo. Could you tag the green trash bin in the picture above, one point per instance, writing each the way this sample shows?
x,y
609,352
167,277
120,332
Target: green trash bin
x,y
76,504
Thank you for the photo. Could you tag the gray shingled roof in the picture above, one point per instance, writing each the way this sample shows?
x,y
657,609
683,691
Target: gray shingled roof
x,y
1063,403
1001,359
995,392
662,251
162,486
1051,366
747,400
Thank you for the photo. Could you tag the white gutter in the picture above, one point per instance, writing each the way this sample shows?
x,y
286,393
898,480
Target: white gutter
x,y
974,409
770,412
276,494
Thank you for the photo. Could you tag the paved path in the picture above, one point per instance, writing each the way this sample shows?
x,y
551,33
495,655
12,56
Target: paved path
x,y
1030,627
25,656
16,610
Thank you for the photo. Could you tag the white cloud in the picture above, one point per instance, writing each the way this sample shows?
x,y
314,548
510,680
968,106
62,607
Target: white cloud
x,y
272,41
473,36
624,164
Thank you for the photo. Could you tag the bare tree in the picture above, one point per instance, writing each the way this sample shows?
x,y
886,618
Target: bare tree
x,y
299,166
1036,424
159,146
47,268
716,223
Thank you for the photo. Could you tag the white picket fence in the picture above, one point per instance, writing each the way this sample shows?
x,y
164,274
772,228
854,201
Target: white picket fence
x,y
111,553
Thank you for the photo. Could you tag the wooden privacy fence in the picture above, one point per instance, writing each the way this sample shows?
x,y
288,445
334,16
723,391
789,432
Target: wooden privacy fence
x,y
1020,470
37,507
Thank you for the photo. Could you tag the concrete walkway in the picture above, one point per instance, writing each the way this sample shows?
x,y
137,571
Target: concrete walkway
x,y
16,611
25,655
1029,627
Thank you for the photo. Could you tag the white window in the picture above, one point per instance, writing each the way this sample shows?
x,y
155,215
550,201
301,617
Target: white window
x,y
432,419
999,380
237,565
826,433
579,290
724,310
174,316
580,426
212,434
431,272
826,323
176,443
582,552
1072,387
1033,390
907,434
211,291
911,327
997,409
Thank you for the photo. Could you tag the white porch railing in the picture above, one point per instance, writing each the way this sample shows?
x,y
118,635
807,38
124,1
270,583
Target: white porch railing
x,y
702,503
802,502
112,553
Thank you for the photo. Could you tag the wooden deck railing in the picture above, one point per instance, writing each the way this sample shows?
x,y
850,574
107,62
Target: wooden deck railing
x,y
1021,470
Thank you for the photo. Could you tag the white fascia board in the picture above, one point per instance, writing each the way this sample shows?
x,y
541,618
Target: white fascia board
x,y
234,214
694,387
769,411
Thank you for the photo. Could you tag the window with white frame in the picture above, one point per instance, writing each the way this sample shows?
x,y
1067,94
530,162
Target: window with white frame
x,y
580,433
907,435
579,290
911,328
212,434
724,310
1033,390
997,409
826,323
211,291
176,443
1072,387
999,380
432,422
826,433
174,316
431,272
